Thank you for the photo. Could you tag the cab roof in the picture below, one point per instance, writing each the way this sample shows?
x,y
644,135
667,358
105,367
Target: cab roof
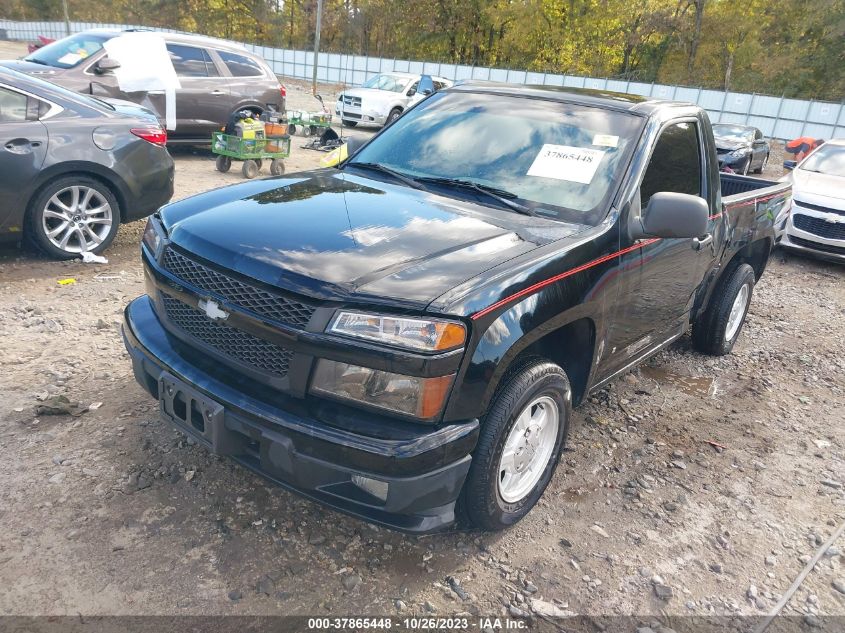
x,y
585,96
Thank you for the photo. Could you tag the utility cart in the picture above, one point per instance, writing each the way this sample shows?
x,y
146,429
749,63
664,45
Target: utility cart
x,y
309,122
252,151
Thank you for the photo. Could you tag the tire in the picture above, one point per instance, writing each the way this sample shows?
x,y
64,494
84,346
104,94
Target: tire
x,y
76,207
491,498
745,166
259,162
249,169
348,123
291,129
277,167
312,131
718,329
223,164
762,166
395,113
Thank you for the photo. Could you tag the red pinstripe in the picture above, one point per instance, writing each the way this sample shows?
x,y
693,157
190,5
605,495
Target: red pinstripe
x,y
563,275
568,273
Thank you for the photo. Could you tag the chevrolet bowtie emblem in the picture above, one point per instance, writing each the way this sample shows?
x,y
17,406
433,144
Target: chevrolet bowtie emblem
x,y
835,219
212,310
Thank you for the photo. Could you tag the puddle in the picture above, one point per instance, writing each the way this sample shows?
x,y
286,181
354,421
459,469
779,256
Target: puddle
x,y
692,385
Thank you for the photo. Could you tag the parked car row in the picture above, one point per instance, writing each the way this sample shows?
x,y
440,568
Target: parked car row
x,y
217,78
220,78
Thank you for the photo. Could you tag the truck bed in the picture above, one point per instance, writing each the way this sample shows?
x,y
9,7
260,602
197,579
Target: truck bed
x,y
737,189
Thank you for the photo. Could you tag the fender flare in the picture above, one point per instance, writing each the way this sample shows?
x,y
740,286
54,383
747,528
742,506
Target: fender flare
x,y
505,340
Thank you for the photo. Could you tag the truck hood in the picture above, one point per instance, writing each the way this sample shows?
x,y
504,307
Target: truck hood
x,y
816,188
333,235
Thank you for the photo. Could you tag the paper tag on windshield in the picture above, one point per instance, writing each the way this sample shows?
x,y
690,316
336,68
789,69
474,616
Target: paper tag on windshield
x,y
606,140
69,58
563,162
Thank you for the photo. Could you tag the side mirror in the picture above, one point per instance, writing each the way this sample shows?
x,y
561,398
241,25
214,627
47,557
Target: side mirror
x,y
354,143
672,215
106,64
411,92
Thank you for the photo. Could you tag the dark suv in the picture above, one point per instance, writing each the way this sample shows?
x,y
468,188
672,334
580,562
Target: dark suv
x,y
217,78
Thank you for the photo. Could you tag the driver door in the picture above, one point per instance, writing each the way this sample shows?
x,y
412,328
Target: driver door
x,y
658,282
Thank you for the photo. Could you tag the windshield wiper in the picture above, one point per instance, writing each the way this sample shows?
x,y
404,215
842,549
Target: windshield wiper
x,y
387,170
35,61
500,195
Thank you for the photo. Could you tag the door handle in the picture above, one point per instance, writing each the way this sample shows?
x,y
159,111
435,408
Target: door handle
x,y
217,93
700,242
21,146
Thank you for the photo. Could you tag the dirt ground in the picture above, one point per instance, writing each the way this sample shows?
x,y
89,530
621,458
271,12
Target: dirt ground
x,y
692,486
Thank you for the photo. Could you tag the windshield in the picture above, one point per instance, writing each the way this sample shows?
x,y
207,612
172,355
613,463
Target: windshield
x,y
392,83
560,160
827,159
68,52
736,133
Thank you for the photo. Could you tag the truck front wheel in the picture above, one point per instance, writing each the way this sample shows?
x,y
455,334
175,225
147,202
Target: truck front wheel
x,y
715,332
521,439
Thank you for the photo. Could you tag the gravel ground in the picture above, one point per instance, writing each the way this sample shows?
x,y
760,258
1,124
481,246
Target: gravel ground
x,y
692,486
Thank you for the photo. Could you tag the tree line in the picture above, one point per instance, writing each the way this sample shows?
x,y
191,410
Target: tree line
x,y
790,47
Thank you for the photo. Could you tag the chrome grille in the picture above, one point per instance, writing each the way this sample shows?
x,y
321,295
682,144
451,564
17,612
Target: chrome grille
x,y
237,344
238,293
355,102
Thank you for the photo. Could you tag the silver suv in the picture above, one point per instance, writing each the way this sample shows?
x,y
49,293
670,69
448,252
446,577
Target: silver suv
x,y
218,78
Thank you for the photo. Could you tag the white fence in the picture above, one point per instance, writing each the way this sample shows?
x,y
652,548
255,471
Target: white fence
x,y
777,117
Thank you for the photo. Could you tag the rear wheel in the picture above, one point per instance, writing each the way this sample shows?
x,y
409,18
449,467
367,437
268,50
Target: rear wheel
x,y
277,167
73,214
519,446
291,129
717,330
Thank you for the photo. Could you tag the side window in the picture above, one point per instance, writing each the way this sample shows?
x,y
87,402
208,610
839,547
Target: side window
x,y
439,85
675,164
12,106
188,61
241,65
413,89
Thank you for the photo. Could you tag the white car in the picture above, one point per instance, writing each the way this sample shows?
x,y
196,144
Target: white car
x,y
816,223
382,98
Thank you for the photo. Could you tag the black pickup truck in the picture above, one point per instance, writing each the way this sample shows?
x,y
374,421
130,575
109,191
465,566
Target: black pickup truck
x,y
403,337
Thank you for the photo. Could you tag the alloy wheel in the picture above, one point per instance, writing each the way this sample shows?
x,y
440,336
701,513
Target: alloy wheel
x,y
77,219
528,448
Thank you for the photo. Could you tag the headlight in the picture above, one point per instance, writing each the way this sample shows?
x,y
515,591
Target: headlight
x,y
428,335
737,153
153,235
410,395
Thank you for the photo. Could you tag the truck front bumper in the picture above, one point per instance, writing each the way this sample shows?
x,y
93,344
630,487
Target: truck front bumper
x,y
417,479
